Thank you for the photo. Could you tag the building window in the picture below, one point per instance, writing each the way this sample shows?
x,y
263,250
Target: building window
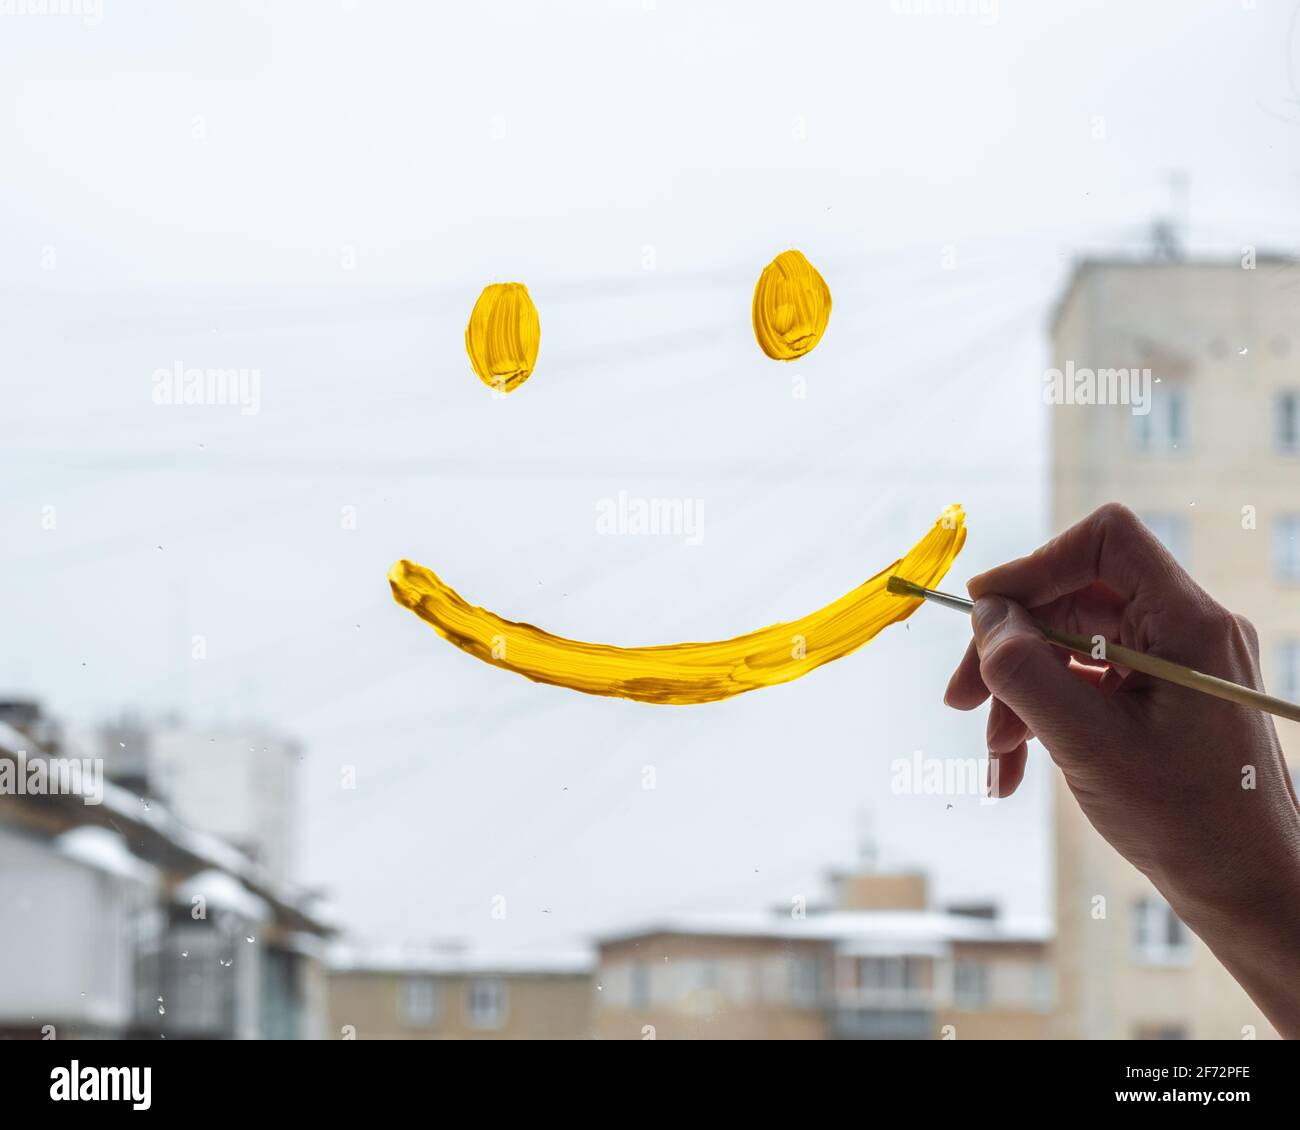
x,y
1286,547
1159,938
417,1002
1164,428
708,976
1042,992
1288,664
485,1004
890,975
639,985
971,984
738,981
1160,1032
1288,422
805,981
1171,529
881,972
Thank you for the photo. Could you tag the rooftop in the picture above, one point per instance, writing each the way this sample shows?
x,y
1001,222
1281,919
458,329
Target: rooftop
x,y
1093,263
903,928
450,960
159,838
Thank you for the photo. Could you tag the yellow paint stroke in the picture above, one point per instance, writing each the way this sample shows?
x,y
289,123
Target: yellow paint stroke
x,y
683,673
792,305
503,335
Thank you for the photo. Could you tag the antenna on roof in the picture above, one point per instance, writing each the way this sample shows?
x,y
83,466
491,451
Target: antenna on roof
x,y
866,822
1169,233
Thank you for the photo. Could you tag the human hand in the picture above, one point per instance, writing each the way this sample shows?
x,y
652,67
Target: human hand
x,y
1194,791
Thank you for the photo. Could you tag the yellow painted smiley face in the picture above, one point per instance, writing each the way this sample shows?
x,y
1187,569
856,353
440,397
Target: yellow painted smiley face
x,y
791,310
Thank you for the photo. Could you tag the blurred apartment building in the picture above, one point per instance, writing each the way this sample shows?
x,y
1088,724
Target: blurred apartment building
x,y
117,919
878,964
445,993
239,784
1214,470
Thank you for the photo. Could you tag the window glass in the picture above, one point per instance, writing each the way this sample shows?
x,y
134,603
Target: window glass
x,y
1288,422
418,1001
1286,547
1163,430
485,1003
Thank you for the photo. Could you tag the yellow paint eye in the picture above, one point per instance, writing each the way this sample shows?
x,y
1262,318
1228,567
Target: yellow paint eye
x,y
503,335
792,305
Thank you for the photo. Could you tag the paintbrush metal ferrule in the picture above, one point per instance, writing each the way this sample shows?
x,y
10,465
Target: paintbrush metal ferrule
x,y
901,586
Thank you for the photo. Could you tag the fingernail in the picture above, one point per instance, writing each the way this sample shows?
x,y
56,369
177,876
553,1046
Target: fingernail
x,y
989,612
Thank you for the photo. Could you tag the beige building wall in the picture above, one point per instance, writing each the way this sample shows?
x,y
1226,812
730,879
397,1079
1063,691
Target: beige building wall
x,y
386,1005
654,983
875,891
1019,993
654,987
1228,339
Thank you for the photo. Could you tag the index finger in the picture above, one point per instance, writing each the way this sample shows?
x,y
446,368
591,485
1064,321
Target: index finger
x,y
1111,545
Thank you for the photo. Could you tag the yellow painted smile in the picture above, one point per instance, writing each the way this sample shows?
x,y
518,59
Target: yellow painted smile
x,y
791,310
683,673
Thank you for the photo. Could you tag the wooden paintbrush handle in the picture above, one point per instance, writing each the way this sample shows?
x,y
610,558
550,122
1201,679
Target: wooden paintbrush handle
x,y
1177,673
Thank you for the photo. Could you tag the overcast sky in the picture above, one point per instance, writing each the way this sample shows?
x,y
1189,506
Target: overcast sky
x,y
319,191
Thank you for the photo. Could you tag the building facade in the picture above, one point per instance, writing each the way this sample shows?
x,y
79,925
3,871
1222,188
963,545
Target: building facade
x,y
877,965
117,920
238,783
1211,463
432,993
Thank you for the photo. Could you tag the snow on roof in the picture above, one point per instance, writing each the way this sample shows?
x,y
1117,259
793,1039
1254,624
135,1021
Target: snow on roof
x,y
343,957
205,846
224,892
12,741
849,928
105,851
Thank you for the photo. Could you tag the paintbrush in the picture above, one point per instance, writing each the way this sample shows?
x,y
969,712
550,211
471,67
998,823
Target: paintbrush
x,y
1125,657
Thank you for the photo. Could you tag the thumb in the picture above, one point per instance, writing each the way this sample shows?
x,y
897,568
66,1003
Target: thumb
x,y
1022,669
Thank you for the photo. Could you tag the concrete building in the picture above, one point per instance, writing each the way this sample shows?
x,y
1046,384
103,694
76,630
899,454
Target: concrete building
x,y
445,993
118,920
879,965
1213,468
71,904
